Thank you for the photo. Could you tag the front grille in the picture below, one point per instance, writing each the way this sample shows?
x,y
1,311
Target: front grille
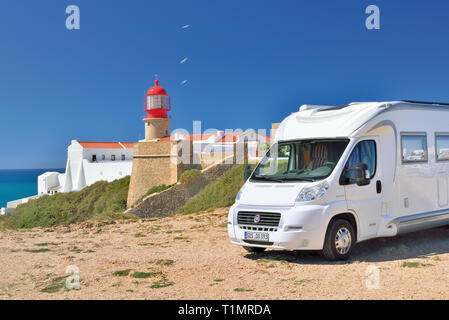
x,y
270,219
266,229
262,243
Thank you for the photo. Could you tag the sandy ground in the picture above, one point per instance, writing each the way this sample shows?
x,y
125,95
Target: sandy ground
x,y
190,257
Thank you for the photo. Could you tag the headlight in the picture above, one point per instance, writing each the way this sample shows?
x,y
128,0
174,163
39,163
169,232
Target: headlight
x,y
239,194
313,193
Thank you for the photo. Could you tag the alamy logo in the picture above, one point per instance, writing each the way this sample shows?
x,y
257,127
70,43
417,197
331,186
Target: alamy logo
x,y
73,20
73,280
373,20
373,277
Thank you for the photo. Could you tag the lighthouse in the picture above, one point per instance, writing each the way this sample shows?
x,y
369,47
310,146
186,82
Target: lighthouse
x,y
156,105
157,159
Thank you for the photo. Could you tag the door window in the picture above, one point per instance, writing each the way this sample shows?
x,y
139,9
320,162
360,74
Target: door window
x,y
364,152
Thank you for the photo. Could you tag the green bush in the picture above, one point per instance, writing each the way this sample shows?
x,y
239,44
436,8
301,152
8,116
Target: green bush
x,y
219,194
5,225
189,175
99,201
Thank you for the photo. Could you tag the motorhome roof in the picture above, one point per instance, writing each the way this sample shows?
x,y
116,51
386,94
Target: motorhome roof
x,y
341,121
427,102
306,107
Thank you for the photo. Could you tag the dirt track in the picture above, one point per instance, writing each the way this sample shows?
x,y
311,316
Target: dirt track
x,y
190,257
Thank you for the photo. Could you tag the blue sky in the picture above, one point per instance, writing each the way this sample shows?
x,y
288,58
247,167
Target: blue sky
x,y
250,63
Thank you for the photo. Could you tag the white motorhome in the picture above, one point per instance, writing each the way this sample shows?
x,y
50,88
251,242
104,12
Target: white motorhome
x,y
336,176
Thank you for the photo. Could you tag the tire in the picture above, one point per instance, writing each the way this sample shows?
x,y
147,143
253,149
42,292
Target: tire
x,y
339,249
254,249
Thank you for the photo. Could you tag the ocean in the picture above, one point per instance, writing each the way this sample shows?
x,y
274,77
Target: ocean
x,y
19,183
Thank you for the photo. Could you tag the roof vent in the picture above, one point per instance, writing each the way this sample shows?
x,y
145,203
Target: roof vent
x,y
306,107
353,103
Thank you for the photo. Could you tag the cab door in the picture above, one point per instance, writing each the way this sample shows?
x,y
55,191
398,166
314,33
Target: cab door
x,y
366,200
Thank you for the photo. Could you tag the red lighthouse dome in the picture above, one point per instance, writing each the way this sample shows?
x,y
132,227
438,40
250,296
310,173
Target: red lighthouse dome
x,y
157,102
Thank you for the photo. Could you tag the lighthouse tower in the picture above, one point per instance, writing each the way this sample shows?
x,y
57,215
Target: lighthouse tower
x,y
157,161
156,105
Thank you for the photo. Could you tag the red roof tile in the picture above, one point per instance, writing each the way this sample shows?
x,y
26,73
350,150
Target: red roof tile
x,y
128,145
105,145
191,137
229,137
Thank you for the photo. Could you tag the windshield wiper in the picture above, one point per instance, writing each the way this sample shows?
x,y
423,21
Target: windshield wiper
x,y
300,179
268,179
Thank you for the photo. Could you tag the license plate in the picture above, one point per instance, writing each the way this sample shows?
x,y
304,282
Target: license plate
x,y
257,236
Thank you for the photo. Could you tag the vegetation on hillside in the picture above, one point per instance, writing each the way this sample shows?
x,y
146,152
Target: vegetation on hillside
x,y
99,201
152,190
5,225
218,194
188,176
103,201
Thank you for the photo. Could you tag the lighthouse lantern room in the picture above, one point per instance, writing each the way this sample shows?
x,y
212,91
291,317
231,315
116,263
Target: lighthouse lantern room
x,y
156,105
157,102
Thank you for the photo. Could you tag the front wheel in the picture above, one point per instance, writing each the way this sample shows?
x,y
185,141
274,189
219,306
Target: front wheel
x,y
339,241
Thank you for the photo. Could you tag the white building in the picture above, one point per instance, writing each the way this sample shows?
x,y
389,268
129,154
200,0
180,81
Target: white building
x,y
222,141
6,210
11,205
87,163
90,162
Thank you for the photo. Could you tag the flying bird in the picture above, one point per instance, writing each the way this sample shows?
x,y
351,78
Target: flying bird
x,y
183,60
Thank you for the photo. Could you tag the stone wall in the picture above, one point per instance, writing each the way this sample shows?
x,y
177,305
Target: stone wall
x,y
167,202
163,162
156,163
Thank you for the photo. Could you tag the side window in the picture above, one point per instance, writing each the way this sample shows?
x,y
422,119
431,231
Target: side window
x,y
365,152
442,146
414,147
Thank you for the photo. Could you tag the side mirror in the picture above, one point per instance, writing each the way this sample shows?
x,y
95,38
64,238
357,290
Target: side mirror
x,y
362,174
247,171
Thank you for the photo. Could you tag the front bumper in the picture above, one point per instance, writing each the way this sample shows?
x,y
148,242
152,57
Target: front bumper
x,y
300,227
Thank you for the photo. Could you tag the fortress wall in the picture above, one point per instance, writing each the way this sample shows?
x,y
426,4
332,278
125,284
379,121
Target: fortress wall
x,y
156,163
167,203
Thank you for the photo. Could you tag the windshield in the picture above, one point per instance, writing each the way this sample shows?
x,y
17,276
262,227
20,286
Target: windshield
x,y
307,160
